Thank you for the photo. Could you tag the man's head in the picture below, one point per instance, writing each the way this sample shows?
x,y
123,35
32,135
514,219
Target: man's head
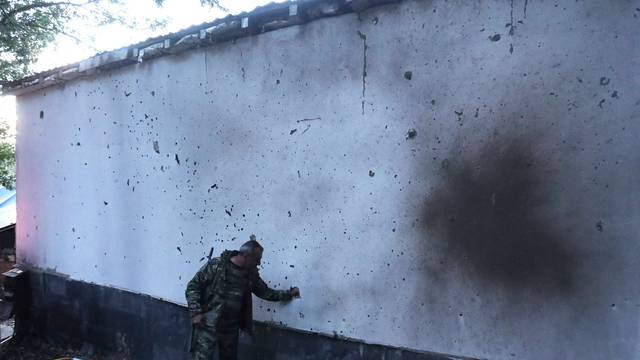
x,y
251,251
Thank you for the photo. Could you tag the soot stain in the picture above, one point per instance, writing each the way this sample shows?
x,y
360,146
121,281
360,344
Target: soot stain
x,y
485,213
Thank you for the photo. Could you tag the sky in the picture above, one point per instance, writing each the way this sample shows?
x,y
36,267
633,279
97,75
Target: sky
x,y
179,14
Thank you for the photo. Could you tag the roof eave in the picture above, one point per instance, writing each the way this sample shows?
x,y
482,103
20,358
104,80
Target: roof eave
x,y
262,19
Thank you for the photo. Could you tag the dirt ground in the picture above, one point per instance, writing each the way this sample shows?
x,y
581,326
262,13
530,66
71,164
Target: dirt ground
x,y
36,349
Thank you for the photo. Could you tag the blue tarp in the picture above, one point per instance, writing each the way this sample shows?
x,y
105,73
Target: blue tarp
x,y
7,207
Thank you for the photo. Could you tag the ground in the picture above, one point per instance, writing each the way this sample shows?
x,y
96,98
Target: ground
x,y
36,349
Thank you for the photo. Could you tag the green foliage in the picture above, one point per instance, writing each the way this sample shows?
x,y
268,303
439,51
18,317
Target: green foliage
x,y
7,158
26,27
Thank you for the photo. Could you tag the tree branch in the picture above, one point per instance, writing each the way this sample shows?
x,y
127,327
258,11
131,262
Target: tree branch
x,y
37,5
58,31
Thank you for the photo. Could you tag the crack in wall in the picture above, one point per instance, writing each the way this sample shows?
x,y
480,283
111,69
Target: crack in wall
x,y
364,67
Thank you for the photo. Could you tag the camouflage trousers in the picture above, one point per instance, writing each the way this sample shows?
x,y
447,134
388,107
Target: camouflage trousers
x,y
209,337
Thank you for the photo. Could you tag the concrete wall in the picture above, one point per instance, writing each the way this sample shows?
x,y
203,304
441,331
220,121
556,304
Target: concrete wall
x,y
429,176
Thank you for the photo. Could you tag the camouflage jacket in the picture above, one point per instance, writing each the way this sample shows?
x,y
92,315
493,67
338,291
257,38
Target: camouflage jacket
x,y
206,290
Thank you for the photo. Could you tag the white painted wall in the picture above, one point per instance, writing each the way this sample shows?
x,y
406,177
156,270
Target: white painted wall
x,y
376,257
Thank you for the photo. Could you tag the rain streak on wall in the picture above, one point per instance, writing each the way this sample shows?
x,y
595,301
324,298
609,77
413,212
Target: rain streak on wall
x,y
451,176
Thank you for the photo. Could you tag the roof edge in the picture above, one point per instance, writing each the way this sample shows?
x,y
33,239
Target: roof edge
x,y
266,18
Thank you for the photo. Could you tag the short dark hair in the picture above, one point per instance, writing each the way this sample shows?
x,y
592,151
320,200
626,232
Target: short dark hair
x,y
251,247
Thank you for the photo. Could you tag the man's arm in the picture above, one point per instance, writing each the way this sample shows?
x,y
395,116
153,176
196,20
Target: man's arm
x,y
196,286
264,292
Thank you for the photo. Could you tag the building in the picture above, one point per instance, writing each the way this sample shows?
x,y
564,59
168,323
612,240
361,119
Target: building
x,y
437,176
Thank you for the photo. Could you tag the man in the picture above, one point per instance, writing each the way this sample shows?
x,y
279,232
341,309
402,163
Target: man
x,y
219,299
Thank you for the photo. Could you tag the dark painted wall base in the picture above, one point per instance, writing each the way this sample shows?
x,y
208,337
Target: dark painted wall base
x,y
74,313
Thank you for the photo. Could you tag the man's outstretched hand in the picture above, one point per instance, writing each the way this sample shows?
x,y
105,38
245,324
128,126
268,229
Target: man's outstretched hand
x,y
295,292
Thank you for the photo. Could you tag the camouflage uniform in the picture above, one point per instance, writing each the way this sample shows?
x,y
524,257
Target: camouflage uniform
x,y
221,292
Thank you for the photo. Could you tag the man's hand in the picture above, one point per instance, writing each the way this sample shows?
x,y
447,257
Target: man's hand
x,y
295,292
197,319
